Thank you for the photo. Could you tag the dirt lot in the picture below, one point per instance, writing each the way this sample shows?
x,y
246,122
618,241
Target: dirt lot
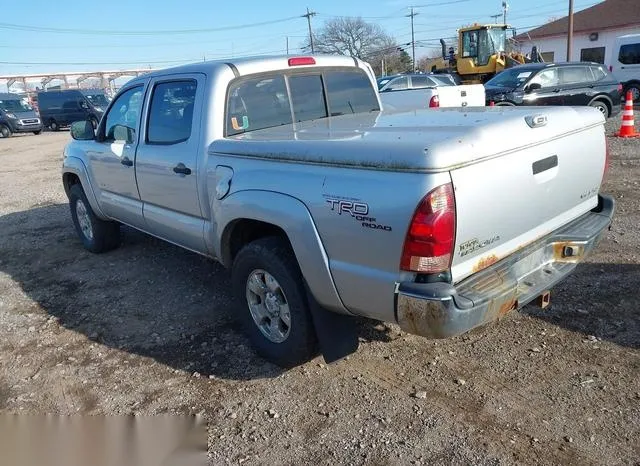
x,y
150,328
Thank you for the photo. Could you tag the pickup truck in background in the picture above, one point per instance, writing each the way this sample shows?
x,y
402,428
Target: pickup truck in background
x,y
415,91
323,207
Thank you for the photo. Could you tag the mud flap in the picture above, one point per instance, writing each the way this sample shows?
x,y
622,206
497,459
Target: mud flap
x,y
337,333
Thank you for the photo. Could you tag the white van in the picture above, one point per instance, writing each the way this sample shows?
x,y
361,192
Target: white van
x,y
625,64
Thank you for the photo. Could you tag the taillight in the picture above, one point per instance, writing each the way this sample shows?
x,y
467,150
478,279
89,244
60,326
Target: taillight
x,y
620,88
434,101
428,246
297,61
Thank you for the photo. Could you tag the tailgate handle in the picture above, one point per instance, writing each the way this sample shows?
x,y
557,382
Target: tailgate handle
x,y
544,164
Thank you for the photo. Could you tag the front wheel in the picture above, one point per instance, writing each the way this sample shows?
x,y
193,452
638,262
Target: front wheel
x,y
602,107
96,235
5,131
53,124
268,285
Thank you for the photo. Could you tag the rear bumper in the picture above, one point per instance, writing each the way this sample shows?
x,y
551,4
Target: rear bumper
x,y
441,310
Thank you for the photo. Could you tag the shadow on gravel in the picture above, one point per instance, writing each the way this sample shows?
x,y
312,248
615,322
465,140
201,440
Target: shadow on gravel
x,y
601,300
147,297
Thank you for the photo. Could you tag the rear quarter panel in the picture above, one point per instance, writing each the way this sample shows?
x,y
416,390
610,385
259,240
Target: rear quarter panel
x,y
363,259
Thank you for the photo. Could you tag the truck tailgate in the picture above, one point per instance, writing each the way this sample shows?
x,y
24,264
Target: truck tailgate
x,y
509,201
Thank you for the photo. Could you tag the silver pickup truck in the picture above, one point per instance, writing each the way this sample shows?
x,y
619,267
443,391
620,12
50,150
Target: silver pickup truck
x,y
324,207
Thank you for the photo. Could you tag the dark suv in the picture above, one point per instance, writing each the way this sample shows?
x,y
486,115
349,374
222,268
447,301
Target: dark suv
x,y
556,84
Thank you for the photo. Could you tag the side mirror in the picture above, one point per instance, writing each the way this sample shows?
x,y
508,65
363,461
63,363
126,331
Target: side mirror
x,y
82,130
532,87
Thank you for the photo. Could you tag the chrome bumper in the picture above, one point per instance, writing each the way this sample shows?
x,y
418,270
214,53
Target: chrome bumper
x,y
441,310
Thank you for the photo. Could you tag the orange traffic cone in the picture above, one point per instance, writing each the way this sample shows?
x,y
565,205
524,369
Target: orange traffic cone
x,y
627,130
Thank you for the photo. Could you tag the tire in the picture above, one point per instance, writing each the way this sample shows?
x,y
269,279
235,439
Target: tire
x,y
602,107
635,89
5,132
96,235
37,132
259,260
53,124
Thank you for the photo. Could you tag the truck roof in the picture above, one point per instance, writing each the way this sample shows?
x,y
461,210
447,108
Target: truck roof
x,y
253,64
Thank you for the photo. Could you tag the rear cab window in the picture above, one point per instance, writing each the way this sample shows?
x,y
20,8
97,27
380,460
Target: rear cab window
x,y
281,98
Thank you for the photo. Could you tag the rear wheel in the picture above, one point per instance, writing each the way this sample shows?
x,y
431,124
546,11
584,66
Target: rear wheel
x,y
5,131
602,107
268,285
96,235
53,124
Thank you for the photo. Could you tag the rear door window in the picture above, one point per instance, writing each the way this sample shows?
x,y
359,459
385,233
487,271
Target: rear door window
x,y
575,75
350,92
171,112
598,73
422,81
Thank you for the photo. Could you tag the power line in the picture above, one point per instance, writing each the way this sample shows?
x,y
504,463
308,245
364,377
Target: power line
x,y
22,27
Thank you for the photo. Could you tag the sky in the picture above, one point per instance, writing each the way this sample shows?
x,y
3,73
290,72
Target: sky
x,y
44,36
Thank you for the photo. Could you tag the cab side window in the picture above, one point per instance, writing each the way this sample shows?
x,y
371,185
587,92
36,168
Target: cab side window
x,y
123,120
171,112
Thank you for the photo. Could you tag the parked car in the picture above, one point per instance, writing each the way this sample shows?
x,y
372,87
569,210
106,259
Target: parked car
x,y
98,98
626,63
17,116
286,171
414,91
557,84
62,107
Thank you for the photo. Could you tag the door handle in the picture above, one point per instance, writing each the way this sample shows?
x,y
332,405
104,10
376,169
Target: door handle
x,y
126,161
181,169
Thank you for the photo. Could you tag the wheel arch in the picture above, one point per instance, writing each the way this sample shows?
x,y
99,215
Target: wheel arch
x,y
248,215
74,171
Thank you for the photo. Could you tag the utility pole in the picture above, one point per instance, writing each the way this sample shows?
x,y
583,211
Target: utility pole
x,y
495,17
308,16
287,45
570,31
413,41
505,7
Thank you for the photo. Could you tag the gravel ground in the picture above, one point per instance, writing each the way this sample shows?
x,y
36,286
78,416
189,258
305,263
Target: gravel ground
x,y
150,328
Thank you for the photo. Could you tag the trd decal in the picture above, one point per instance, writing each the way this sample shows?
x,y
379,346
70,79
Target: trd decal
x,y
357,210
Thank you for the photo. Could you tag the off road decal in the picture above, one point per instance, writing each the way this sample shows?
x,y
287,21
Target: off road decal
x,y
357,210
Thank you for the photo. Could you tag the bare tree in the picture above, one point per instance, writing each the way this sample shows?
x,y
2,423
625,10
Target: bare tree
x,y
351,36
